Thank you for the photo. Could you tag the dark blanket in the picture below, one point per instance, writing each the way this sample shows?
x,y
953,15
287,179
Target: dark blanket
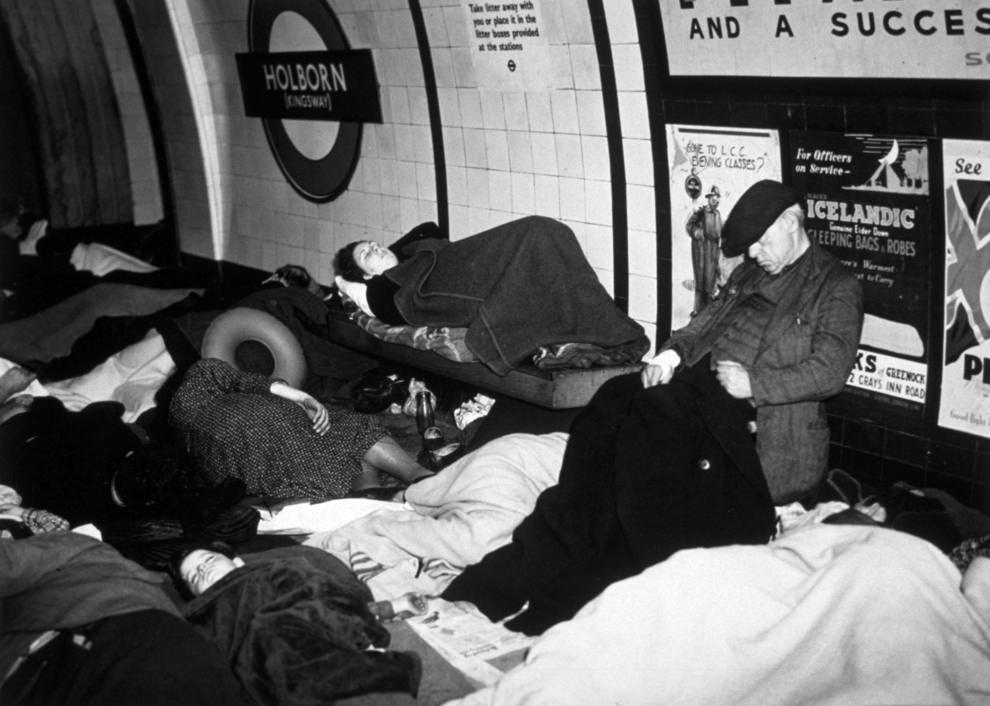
x,y
515,287
51,333
296,629
67,580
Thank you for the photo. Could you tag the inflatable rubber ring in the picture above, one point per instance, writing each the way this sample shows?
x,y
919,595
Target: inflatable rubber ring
x,y
242,324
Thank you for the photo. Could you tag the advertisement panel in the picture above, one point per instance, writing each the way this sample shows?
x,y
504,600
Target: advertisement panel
x,y
934,39
710,167
965,398
869,203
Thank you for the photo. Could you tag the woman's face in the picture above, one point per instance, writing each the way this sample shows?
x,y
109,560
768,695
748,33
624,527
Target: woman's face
x,y
203,568
374,259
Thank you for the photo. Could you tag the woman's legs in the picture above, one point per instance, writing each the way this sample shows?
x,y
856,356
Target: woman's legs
x,y
386,455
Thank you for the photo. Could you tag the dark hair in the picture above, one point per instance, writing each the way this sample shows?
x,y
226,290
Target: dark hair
x,y
180,554
294,276
345,265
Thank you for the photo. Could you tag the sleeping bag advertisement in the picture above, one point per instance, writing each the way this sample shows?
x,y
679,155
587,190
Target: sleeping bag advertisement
x,y
868,203
965,402
710,167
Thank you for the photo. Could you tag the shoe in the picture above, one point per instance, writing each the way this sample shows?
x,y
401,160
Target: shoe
x,y
440,458
432,438
376,493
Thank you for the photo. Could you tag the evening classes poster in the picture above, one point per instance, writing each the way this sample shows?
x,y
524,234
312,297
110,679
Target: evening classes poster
x,y
710,167
965,398
869,204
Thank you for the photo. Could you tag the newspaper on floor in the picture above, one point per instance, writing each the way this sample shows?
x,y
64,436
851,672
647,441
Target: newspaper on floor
x,y
462,635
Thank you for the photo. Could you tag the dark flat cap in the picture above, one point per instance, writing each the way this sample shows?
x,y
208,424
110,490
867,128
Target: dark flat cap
x,y
754,212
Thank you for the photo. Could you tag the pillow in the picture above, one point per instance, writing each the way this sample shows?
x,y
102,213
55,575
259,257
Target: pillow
x,y
356,292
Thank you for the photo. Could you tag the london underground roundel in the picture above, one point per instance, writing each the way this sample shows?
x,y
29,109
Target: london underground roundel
x,y
317,156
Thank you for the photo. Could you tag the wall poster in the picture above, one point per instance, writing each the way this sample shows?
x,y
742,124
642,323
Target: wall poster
x,y
869,203
710,167
925,39
965,398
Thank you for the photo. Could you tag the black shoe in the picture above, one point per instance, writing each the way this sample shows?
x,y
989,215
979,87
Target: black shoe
x,y
442,457
376,493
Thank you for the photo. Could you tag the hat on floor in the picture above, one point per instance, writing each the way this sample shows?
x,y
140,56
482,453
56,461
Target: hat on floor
x,y
754,212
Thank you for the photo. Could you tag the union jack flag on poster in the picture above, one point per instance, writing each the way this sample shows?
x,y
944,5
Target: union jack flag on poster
x,y
965,398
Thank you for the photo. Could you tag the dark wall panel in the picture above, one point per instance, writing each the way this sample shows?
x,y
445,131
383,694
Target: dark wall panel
x,y
81,139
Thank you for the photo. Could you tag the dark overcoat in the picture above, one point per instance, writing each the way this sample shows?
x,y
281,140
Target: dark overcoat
x,y
805,356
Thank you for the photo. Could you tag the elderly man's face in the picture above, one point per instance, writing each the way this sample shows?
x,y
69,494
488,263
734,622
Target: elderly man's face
x,y
202,568
780,245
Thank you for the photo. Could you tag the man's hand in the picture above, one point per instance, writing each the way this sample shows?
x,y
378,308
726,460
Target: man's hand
x,y
661,369
734,378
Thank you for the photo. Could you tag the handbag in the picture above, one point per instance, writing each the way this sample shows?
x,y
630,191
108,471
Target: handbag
x,y
376,391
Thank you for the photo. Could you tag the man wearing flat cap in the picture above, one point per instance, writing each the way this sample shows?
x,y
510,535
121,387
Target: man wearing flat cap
x,y
725,422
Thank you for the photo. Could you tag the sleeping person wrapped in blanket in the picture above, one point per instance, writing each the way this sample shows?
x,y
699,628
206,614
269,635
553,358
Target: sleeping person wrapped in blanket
x,y
516,287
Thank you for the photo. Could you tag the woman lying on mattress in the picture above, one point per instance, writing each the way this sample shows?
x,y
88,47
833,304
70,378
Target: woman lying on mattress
x,y
516,287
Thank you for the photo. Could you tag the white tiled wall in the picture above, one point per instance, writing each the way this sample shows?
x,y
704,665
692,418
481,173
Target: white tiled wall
x,y
508,153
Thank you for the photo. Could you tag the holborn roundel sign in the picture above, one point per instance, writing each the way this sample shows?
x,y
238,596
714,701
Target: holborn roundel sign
x,y
289,90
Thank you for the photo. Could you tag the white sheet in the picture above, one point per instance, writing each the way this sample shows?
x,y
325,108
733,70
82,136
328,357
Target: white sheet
x,y
453,520
101,259
34,388
826,615
132,377
303,517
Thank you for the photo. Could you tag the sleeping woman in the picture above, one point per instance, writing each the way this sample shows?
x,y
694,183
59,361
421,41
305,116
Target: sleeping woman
x,y
282,442
516,287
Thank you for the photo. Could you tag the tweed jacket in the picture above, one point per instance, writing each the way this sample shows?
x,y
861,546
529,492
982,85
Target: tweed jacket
x,y
804,357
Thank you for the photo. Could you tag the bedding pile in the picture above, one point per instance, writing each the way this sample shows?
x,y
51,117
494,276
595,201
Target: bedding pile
x,y
825,615
50,333
451,519
450,342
